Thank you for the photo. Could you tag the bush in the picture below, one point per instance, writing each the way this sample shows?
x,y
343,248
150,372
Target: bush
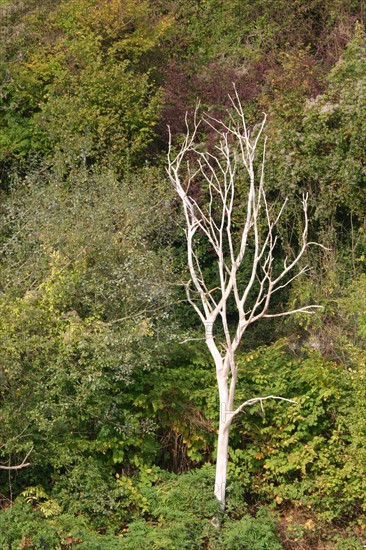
x,y
256,533
308,453
22,526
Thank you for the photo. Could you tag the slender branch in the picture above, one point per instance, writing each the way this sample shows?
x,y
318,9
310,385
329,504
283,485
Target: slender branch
x,y
24,464
192,340
255,400
305,309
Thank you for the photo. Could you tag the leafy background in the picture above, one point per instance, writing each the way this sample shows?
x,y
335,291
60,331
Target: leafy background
x,y
102,371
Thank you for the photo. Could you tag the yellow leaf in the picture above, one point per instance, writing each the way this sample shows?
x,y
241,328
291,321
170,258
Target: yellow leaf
x,y
259,455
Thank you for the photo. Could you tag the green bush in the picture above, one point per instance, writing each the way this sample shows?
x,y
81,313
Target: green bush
x,y
256,533
181,512
23,526
308,453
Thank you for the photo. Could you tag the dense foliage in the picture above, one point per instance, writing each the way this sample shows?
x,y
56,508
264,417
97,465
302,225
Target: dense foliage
x,y
104,379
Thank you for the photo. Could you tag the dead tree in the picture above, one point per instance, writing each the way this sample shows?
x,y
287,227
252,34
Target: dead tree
x,y
236,232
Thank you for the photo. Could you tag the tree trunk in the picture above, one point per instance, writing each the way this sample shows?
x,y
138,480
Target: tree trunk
x,y
221,463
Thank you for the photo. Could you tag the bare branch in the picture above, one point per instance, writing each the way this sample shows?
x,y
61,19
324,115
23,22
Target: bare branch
x,y
24,464
260,400
305,309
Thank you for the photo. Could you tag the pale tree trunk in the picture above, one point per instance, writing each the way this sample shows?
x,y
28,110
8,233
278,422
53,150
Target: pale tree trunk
x,y
221,463
226,405
234,158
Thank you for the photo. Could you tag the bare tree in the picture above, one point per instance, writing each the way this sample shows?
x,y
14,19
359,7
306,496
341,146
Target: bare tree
x,y
236,233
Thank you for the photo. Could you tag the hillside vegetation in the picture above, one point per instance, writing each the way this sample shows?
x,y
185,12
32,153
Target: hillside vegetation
x,y
105,383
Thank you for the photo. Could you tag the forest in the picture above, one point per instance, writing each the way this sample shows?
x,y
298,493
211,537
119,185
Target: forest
x,y
109,403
